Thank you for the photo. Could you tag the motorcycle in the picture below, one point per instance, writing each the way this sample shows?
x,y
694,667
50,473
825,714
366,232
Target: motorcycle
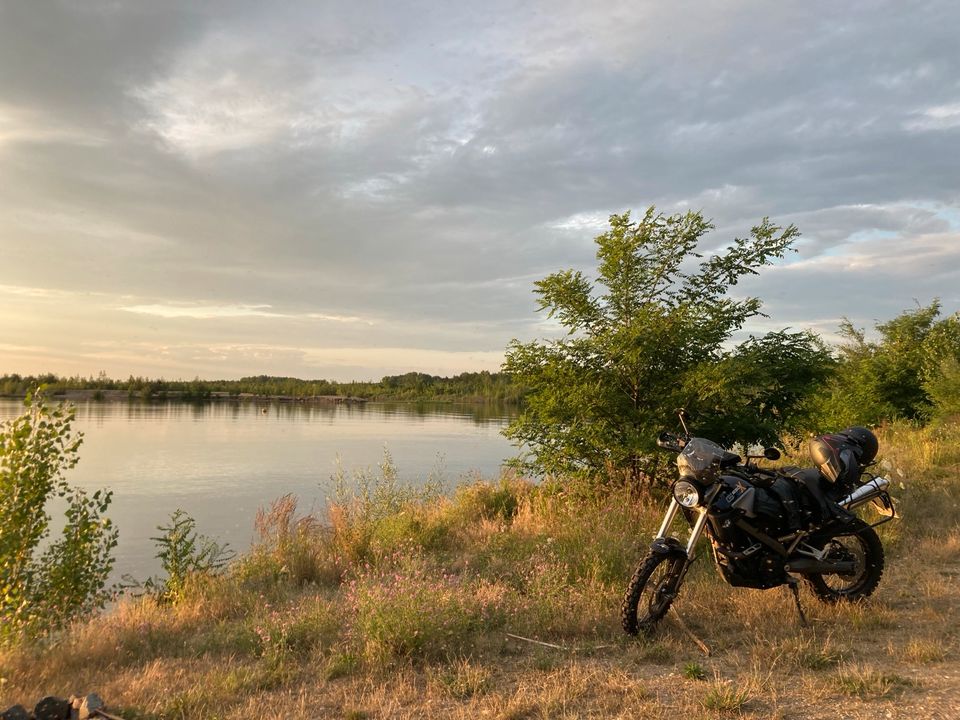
x,y
766,527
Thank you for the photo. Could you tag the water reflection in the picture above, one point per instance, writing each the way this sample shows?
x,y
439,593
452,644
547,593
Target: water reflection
x,y
220,461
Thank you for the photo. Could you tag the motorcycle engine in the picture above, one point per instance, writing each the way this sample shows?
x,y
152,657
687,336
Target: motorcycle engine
x,y
742,560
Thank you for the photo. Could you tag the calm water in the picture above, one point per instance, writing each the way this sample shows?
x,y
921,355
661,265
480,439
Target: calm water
x,y
221,461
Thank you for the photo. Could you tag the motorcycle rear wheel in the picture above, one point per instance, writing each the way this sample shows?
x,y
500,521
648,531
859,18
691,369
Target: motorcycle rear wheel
x,y
650,593
866,550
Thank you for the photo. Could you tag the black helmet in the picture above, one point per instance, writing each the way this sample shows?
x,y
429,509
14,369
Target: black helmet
x,y
865,441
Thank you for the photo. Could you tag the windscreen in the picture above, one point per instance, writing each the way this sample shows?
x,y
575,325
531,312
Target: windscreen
x,y
699,456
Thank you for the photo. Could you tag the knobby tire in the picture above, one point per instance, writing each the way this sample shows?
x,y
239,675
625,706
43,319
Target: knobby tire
x,y
633,618
873,561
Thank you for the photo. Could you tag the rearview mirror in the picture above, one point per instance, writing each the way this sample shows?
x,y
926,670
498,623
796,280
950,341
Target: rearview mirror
x,y
669,441
771,453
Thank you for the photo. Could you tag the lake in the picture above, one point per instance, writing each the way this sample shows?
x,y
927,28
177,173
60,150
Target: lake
x,y
221,461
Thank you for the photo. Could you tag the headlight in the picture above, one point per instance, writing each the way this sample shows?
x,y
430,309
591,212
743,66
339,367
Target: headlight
x,y
686,493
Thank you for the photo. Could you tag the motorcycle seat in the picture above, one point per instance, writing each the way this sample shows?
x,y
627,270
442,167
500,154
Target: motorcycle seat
x,y
801,476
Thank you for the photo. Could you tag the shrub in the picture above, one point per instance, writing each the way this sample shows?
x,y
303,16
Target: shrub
x,y
183,554
488,501
40,592
370,516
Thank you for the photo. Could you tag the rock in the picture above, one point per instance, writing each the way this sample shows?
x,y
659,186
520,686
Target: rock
x,y
16,712
91,703
52,708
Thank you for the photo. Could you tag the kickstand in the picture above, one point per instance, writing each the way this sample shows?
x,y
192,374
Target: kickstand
x,y
795,589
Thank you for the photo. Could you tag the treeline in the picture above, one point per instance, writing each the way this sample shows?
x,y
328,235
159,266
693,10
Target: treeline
x,y
908,368
469,386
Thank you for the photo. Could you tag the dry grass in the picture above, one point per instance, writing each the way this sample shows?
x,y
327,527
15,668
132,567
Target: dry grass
x,y
398,605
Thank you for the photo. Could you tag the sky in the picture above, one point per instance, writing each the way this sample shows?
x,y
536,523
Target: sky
x,y
352,189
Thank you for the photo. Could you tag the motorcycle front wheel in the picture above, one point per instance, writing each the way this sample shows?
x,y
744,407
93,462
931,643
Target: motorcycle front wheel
x,y
866,551
651,591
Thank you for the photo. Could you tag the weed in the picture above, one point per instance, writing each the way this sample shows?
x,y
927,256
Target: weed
x,y
183,554
694,671
341,664
869,683
298,631
418,611
294,547
922,650
723,696
462,678
811,653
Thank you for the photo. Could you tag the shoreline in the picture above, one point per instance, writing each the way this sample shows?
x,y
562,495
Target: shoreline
x,y
98,395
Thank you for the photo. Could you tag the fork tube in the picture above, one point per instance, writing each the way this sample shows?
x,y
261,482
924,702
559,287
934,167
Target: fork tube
x,y
696,531
668,520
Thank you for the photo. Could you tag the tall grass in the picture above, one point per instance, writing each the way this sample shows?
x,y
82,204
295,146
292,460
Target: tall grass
x,y
392,577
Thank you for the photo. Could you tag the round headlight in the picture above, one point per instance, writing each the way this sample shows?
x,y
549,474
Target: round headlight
x,y
686,493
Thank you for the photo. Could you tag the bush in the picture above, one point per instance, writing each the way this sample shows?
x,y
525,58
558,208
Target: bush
x,y
910,372
41,592
184,554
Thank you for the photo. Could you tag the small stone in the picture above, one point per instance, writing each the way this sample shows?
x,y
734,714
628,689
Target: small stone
x,y
52,708
16,712
91,703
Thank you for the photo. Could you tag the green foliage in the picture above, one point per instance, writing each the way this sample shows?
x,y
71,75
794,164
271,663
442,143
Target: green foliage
x,y
471,386
910,372
760,389
184,554
42,591
943,388
650,336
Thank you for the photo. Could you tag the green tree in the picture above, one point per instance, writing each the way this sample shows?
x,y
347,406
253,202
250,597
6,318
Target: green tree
x,y
43,590
909,371
648,336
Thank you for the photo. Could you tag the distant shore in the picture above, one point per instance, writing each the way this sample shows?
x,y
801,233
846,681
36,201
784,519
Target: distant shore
x,y
469,387
100,395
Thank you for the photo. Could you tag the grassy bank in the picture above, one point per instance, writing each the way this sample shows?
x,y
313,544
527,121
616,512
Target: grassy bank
x,y
401,603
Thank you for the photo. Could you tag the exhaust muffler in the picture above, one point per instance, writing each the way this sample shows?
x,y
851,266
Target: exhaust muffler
x,y
865,493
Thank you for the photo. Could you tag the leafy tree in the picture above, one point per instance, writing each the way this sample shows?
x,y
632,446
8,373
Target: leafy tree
x,y
908,372
43,590
761,389
650,335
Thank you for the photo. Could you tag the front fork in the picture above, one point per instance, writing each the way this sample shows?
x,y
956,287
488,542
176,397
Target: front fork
x,y
696,531
665,545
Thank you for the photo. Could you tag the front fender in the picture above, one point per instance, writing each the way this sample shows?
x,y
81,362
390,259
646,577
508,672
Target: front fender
x,y
668,546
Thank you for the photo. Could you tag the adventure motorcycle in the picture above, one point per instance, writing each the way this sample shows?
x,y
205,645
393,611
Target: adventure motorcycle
x,y
766,526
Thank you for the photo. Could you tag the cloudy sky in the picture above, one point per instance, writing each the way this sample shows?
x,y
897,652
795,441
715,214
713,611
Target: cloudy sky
x,y
348,189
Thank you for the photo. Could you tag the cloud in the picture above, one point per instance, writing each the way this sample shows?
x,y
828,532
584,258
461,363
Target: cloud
x,y
202,312
236,173
938,117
